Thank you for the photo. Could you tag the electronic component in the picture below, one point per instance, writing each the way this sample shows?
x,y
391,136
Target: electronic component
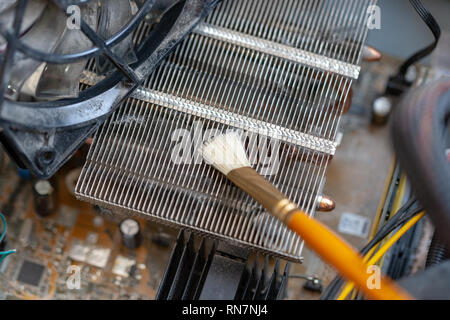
x,y
314,285
93,255
44,203
98,257
381,109
25,231
31,273
123,266
131,233
78,251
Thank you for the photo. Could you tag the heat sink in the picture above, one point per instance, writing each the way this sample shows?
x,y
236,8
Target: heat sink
x,y
279,72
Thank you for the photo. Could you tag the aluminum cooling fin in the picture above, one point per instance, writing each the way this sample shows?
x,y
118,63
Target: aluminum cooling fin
x,y
277,72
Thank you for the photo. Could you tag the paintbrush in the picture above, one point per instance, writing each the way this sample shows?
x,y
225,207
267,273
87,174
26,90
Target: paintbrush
x,y
227,154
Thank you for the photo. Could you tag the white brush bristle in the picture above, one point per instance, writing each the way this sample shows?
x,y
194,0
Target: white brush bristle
x,y
225,152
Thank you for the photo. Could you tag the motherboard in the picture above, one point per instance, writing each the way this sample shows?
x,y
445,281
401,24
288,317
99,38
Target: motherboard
x,y
78,251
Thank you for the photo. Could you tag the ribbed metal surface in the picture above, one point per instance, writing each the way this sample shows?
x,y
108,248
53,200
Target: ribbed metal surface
x,y
288,103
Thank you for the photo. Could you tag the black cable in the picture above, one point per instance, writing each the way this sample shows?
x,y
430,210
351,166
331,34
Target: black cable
x,y
411,208
398,83
402,253
435,29
335,286
420,129
437,253
404,214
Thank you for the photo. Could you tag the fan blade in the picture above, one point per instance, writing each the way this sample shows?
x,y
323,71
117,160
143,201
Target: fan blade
x,y
32,13
113,16
45,35
62,80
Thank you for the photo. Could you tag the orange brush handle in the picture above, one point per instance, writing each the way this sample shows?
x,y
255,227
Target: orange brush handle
x,y
328,245
340,255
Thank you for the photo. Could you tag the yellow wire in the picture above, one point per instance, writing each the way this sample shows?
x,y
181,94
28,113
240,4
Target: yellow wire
x,y
376,222
395,208
382,251
399,195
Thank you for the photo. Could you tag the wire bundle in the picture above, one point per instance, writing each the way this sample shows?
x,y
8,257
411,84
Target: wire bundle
x,y
382,251
435,29
404,217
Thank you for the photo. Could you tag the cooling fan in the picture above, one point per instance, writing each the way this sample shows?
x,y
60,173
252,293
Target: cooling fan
x,y
45,48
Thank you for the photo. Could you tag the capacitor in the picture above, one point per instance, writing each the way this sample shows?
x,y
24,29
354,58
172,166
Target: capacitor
x,y
131,233
381,109
44,202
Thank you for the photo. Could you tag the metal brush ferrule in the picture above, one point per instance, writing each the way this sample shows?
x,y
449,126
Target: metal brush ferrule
x,y
266,194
